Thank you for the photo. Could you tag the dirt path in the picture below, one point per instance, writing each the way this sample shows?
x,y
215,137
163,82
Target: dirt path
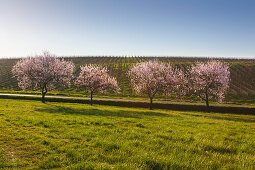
x,y
127,100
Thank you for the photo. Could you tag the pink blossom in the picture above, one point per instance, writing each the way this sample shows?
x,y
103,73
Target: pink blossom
x,y
43,72
96,79
209,80
152,77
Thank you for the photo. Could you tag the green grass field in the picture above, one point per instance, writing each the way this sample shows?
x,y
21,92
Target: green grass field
x,y
79,136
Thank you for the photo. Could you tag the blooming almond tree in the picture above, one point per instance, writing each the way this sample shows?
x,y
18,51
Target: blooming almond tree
x,y
43,72
179,82
209,80
152,77
96,79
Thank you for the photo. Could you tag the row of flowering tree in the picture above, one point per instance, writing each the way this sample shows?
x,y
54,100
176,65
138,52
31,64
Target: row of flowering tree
x,y
46,71
205,80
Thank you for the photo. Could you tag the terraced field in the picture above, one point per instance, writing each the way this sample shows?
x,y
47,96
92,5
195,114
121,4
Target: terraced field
x,y
242,85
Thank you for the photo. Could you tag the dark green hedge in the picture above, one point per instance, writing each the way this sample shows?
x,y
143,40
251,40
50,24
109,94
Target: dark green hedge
x,y
178,107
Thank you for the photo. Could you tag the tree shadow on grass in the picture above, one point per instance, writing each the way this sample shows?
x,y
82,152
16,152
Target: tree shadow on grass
x,y
236,119
98,112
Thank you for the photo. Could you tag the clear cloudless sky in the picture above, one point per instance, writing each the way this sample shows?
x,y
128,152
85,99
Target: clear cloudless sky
x,y
221,28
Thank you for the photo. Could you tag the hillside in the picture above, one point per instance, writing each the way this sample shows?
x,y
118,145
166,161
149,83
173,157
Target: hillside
x,y
242,85
56,135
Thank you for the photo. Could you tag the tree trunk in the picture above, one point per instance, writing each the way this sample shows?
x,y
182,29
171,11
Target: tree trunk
x,y
44,91
91,98
207,103
150,103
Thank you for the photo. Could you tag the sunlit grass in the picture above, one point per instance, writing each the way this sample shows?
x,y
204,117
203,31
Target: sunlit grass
x,y
60,135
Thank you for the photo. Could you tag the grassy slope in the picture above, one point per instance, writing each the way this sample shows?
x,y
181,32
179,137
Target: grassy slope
x,y
55,135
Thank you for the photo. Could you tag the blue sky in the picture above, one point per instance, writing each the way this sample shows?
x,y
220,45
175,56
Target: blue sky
x,y
221,28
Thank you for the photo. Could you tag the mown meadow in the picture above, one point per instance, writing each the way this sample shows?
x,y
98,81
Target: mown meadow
x,y
79,136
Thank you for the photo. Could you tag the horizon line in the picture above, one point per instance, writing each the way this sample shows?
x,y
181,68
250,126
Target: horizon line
x,y
159,56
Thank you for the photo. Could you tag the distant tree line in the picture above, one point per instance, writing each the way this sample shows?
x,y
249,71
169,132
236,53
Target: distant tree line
x,y
206,80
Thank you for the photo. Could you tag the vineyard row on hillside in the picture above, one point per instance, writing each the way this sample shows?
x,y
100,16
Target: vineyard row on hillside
x,y
242,71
